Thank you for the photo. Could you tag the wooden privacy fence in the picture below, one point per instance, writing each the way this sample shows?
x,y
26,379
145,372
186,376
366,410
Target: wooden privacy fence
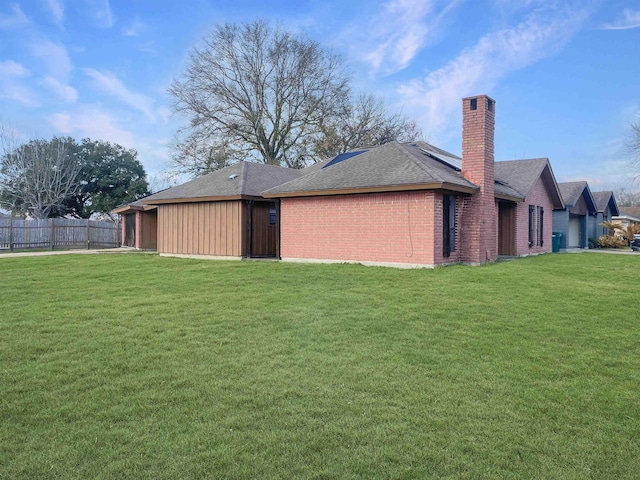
x,y
58,233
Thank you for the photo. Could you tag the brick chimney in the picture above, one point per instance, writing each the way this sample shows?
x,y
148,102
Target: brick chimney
x,y
481,220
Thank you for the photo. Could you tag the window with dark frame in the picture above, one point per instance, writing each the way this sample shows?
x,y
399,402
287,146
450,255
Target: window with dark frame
x,y
448,224
272,215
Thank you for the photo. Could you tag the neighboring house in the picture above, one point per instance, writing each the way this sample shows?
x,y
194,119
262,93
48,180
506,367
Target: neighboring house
x,y
412,204
627,216
607,208
139,225
220,214
573,220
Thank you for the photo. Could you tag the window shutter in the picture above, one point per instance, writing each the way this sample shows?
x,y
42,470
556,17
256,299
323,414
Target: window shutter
x,y
541,225
452,222
531,215
448,224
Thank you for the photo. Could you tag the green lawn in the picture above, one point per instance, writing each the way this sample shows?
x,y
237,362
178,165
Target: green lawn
x,y
137,366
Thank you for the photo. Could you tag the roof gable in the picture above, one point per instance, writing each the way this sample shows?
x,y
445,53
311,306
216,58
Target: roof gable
x,y
522,175
573,191
604,200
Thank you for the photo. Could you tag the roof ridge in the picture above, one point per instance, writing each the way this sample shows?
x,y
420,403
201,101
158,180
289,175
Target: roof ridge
x,y
417,162
243,176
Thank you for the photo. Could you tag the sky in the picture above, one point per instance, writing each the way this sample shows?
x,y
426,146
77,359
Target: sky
x,y
565,74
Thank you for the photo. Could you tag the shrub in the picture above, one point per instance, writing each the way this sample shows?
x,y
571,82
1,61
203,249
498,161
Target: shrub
x,y
610,241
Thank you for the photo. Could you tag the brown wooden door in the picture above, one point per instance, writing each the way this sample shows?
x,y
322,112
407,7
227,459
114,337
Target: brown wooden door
x,y
263,229
130,230
506,229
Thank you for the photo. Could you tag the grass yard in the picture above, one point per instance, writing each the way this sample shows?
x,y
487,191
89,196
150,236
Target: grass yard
x,y
137,366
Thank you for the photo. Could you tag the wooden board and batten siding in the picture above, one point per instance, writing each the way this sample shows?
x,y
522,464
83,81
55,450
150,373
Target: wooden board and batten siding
x,y
203,228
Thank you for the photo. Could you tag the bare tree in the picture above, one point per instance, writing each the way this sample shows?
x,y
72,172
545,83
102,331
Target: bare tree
x,y
634,145
261,92
195,155
626,197
367,122
36,177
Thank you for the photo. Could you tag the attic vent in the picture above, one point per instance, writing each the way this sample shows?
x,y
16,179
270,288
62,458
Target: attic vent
x,y
233,176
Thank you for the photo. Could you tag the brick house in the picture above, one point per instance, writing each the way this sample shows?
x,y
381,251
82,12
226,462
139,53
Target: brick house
x,y
525,227
399,204
413,204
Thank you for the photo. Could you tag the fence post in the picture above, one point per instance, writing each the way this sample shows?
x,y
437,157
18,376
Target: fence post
x,y
52,235
88,235
11,233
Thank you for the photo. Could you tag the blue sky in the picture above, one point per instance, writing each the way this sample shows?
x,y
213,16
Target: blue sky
x,y
565,74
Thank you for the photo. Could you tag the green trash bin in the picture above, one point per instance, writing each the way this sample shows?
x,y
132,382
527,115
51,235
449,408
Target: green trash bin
x,y
556,238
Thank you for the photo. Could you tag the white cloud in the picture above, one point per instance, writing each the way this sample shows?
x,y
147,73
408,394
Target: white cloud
x,y
12,69
54,56
629,19
17,92
92,121
100,11
435,100
135,28
399,31
57,10
16,18
62,122
63,92
395,35
12,84
108,83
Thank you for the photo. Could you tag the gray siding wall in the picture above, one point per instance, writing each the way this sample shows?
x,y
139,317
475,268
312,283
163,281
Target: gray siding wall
x,y
561,224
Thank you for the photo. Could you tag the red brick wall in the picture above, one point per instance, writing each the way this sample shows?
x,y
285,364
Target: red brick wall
x,y
539,196
404,227
479,234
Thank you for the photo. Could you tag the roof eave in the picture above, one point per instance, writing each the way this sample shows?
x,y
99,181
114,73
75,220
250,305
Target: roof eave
x,y
211,198
125,209
375,189
511,198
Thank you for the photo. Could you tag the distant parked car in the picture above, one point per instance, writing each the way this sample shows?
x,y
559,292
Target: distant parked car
x,y
635,245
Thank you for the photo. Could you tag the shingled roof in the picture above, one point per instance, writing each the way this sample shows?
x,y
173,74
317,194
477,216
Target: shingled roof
x,y
603,199
241,180
571,192
390,167
630,212
522,175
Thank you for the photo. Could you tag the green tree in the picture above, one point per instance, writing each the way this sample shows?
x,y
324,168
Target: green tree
x,y
110,175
